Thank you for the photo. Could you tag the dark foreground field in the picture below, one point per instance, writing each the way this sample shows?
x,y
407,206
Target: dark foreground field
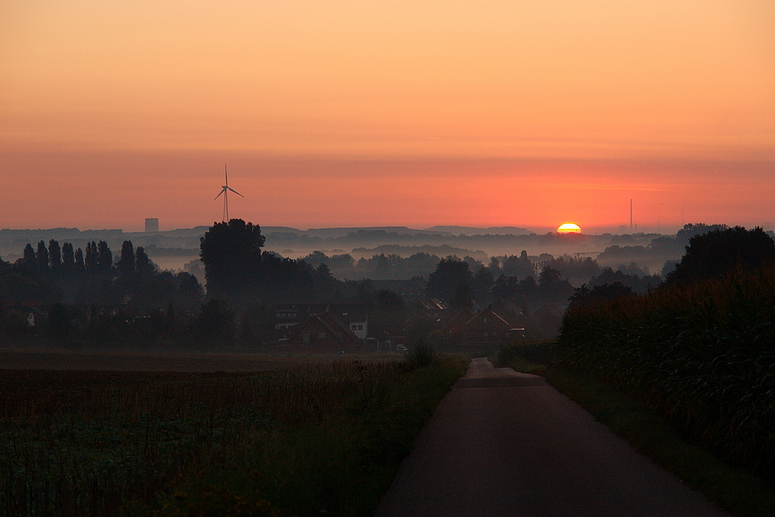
x,y
305,436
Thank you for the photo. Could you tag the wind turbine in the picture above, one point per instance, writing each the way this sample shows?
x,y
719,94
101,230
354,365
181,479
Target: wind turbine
x,y
225,191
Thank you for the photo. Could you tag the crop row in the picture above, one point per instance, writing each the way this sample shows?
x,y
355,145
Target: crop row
x,y
702,354
91,443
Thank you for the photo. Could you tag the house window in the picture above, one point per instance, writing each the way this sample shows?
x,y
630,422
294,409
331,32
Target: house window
x,y
353,327
360,327
486,320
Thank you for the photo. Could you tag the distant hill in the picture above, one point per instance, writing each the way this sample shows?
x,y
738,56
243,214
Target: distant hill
x,y
467,230
343,232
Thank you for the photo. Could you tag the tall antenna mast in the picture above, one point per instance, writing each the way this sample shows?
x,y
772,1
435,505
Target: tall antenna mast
x,y
225,191
630,215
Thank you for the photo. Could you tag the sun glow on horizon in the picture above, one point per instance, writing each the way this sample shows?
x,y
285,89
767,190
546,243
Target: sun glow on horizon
x,y
569,228
382,114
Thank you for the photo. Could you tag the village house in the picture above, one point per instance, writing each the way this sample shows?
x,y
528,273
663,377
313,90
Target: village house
x,y
324,330
355,316
484,328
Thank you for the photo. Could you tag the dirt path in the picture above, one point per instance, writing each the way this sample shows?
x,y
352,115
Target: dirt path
x,y
504,443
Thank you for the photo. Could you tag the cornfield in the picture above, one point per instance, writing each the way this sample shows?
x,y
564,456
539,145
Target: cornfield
x,y
703,355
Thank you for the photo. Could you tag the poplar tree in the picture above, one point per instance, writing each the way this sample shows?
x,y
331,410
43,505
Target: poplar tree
x,y
68,257
126,264
41,256
54,256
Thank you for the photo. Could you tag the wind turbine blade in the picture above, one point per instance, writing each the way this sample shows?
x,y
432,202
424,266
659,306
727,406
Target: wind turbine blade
x,y
226,174
221,192
235,191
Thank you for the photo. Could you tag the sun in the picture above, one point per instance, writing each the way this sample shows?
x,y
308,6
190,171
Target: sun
x,y
569,228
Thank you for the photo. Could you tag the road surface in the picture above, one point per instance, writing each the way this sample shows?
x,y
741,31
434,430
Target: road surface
x,y
505,443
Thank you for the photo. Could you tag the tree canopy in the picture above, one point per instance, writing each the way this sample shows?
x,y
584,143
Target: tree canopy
x,y
450,274
713,254
231,254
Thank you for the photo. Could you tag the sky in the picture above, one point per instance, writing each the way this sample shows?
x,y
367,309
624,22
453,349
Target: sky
x,y
365,113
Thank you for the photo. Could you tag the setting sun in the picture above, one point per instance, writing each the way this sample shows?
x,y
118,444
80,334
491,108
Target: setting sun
x,y
569,228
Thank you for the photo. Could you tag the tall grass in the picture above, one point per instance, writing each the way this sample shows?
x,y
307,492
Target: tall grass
x,y
703,354
301,441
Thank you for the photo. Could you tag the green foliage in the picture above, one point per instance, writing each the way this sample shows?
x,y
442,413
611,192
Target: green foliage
x,y
421,355
701,354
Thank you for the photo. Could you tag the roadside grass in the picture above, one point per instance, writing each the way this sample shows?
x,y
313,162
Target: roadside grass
x,y
740,493
322,439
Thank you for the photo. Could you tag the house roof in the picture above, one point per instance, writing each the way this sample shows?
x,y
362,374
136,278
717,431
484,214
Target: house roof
x,y
469,320
459,319
346,312
328,320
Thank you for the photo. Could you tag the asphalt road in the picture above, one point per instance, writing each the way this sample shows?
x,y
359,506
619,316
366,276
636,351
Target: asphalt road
x,y
504,443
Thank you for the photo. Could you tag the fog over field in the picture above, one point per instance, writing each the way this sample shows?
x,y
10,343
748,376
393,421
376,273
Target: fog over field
x,y
176,249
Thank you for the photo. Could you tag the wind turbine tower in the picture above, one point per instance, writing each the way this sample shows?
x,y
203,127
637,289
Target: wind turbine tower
x,y
225,191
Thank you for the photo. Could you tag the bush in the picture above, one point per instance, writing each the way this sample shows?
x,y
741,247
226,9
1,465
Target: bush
x,y
421,355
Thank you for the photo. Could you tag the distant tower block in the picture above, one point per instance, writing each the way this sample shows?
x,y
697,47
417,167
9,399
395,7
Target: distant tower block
x,y
152,224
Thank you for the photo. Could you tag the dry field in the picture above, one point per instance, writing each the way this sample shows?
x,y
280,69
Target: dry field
x,y
37,359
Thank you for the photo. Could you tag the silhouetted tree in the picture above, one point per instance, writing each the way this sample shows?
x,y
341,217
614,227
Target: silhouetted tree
x,y
324,285
54,256
552,287
583,296
495,267
59,326
390,301
450,274
256,326
520,267
505,288
80,263
28,258
482,284
528,288
90,259
104,257
41,257
638,284
190,293
231,254
126,264
143,264
68,257
713,254
215,327
692,230
463,298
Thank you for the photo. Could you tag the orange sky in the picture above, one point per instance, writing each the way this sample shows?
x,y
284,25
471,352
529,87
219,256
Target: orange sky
x,y
345,113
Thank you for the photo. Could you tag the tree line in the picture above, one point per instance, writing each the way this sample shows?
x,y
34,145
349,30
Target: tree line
x,y
62,294
95,295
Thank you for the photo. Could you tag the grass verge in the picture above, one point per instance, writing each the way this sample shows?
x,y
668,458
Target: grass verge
x,y
737,491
